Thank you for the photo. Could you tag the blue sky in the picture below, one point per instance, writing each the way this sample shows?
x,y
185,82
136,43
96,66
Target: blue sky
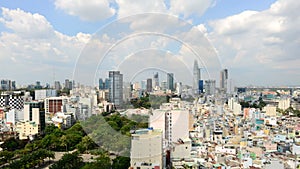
x,y
71,25
249,36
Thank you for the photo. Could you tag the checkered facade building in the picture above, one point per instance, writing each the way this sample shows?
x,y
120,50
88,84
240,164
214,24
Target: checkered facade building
x,y
13,101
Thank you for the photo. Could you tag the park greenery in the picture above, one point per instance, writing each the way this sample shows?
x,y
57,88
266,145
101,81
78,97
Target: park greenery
x,y
99,135
289,111
112,132
260,104
149,101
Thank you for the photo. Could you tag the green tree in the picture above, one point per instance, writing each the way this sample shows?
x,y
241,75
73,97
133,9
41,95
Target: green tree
x,y
121,163
102,162
12,144
69,161
50,129
64,141
6,156
86,144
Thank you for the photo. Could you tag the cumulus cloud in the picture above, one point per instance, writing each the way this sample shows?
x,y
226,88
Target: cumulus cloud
x,y
26,25
132,7
33,43
91,10
187,8
265,40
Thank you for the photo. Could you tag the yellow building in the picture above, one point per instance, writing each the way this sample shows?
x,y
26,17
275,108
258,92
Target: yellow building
x,y
26,129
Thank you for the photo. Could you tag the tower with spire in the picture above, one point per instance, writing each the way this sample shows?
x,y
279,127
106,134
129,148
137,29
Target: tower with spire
x,y
196,77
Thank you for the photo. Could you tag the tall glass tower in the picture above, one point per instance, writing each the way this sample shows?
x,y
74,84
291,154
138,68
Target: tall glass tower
x,y
116,87
170,81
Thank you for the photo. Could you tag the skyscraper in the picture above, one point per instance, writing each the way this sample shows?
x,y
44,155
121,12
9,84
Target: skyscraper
x,y
143,85
196,77
67,81
116,87
101,84
223,80
156,80
210,86
170,81
149,85
7,85
106,85
57,85
201,86
34,111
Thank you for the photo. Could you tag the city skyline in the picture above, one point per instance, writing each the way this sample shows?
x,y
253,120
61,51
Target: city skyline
x,y
256,41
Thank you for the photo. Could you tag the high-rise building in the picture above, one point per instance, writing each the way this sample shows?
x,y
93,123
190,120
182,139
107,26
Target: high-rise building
x,y
196,77
149,85
71,85
13,101
106,85
7,85
57,85
35,112
68,84
173,122
210,87
13,115
146,149
45,93
178,88
170,81
143,85
223,80
38,85
13,85
116,87
52,106
201,86
164,85
155,80
101,84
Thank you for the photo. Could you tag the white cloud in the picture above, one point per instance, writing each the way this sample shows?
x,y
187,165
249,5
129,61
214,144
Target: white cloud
x,y
132,7
33,43
26,25
91,10
190,7
263,40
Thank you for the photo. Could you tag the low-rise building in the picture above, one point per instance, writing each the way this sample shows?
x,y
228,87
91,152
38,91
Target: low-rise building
x,y
27,129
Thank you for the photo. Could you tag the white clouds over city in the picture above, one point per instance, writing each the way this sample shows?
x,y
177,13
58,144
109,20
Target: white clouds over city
x,y
266,40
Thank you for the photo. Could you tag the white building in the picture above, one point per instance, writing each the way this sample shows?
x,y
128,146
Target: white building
x,y
31,115
13,115
62,120
237,108
270,121
174,124
178,88
284,103
45,93
146,149
296,149
181,149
